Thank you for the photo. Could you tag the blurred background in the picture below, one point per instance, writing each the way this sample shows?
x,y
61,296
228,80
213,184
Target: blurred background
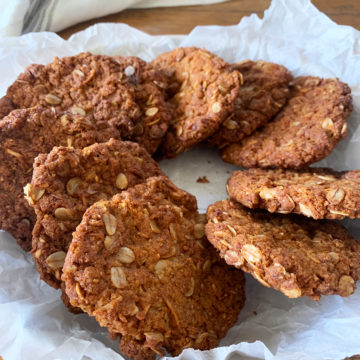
x,y
181,20
152,16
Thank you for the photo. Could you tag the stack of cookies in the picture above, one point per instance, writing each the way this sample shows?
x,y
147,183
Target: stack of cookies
x,y
295,254
107,227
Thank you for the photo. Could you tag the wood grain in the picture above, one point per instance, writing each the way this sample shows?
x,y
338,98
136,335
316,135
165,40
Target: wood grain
x,y
181,20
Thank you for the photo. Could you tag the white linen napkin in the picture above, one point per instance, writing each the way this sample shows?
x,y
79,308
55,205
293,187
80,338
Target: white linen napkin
x,y
23,16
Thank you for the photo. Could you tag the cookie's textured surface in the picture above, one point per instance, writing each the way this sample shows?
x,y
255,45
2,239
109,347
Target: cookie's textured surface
x,y
5,106
141,265
23,135
203,91
305,131
264,92
298,256
316,192
155,113
66,182
122,90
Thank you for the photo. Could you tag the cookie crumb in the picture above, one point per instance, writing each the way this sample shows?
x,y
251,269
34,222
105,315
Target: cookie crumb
x,y
255,313
202,180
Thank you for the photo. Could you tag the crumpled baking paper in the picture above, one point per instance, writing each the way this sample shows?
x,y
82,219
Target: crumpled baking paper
x,y
33,322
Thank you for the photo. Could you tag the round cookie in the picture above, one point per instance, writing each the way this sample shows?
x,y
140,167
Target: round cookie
x,y
264,92
319,193
122,90
26,133
305,131
203,91
290,253
141,265
66,182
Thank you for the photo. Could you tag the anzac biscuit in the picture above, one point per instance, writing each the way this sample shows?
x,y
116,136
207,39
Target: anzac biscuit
x,y
305,131
264,92
26,133
122,90
141,265
205,91
66,182
290,253
316,192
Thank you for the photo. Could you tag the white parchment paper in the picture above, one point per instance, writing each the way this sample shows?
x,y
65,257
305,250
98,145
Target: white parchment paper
x,y
34,324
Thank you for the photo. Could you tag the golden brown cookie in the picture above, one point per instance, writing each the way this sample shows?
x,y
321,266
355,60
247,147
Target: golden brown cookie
x,y
122,90
5,106
203,91
66,182
305,131
317,192
24,134
141,265
264,92
290,253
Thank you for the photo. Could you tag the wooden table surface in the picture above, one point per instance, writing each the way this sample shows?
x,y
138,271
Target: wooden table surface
x,y
181,20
